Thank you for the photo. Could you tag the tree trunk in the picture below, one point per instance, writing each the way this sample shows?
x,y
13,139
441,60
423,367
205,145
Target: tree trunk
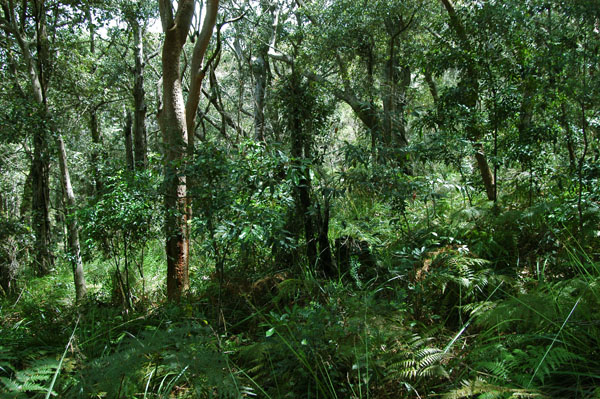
x,y
569,137
74,251
40,217
300,152
176,120
396,81
399,137
175,136
25,208
487,175
38,70
326,262
128,142
303,189
432,86
389,92
9,266
486,172
259,70
139,116
95,153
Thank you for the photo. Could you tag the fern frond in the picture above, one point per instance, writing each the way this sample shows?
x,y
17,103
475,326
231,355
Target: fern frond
x,y
417,360
404,364
6,359
435,370
31,379
483,389
499,370
410,373
431,358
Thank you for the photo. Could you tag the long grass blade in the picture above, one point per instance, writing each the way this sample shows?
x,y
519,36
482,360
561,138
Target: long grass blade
x,y
51,387
552,343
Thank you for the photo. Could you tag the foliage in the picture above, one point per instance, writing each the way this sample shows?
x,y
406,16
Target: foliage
x,y
120,223
22,383
366,121
240,200
125,211
180,358
15,240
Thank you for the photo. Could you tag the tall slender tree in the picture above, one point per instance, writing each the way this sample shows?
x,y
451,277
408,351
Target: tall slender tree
x,y
74,251
176,120
136,15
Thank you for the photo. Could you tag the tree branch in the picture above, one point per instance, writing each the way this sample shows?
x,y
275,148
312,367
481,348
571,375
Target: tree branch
x,y
197,73
273,52
455,22
183,19
165,9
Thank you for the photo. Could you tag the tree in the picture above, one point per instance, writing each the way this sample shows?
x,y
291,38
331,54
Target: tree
x,y
27,27
305,115
177,124
260,66
364,61
39,67
469,87
74,251
136,14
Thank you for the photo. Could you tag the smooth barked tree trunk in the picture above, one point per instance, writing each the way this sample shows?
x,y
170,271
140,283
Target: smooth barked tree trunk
x,y
74,250
176,121
175,137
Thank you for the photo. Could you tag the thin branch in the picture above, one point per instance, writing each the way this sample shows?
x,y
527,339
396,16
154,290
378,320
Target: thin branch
x,y
227,118
404,27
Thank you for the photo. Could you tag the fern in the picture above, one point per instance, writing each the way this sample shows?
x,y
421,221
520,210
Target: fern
x,y
354,269
158,360
482,389
290,290
257,356
417,360
6,357
453,280
30,380
539,340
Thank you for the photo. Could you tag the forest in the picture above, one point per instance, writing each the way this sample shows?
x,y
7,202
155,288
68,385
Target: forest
x,y
300,199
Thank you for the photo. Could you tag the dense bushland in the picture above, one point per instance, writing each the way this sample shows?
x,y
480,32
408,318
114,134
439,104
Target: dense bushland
x,y
385,199
460,300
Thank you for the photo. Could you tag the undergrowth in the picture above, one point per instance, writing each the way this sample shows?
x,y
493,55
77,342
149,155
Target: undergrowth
x,y
463,300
